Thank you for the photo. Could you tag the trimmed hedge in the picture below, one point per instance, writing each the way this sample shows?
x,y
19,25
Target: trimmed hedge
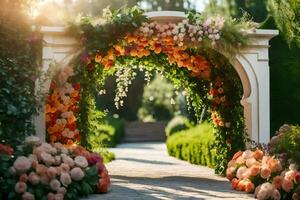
x,y
195,145
178,123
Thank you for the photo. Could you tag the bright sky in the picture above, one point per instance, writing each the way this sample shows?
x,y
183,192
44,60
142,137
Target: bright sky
x,y
200,4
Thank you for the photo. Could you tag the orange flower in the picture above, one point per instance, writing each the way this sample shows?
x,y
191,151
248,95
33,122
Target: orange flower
x,y
98,58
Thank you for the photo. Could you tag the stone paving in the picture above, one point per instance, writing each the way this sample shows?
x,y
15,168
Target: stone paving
x,y
144,171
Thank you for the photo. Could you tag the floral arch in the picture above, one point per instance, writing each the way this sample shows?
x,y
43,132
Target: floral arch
x,y
148,39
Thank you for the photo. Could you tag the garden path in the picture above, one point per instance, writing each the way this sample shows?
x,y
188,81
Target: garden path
x,y
144,171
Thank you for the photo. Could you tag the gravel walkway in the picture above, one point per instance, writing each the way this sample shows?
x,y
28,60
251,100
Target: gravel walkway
x,y
145,171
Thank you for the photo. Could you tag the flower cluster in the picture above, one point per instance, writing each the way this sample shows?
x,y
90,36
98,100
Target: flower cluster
x,y
61,108
158,38
124,75
254,171
55,168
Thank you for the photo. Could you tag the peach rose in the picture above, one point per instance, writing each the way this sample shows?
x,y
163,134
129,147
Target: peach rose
x,y
33,178
254,170
28,196
237,155
65,179
277,182
229,173
231,163
249,187
77,174
265,172
242,172
240,160
234,183
241,185
287,185
57,160
22,164
265,160
250,162
274,165
51,172
20,187
265,191
54,184
258,154
41,169
65,167
247,154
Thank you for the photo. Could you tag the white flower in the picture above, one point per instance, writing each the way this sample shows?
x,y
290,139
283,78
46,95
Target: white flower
x,y
65,179
33,141
81,161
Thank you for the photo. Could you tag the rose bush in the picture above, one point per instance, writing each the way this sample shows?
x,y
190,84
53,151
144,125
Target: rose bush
x,y
52,171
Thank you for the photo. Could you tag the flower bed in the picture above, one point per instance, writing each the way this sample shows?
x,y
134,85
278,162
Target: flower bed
x,y
266,173
50,171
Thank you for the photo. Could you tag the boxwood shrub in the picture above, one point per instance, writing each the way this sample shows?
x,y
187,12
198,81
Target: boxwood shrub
x,y
177,124
195,145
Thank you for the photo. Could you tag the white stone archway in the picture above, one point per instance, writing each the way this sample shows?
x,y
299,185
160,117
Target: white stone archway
x,y
252,66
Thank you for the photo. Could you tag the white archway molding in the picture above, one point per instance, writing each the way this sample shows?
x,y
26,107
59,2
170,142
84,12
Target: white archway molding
x,y
252,66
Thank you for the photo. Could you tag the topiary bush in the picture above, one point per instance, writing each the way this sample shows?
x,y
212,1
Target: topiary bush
x,y
119,126
178,123
195,145
103,137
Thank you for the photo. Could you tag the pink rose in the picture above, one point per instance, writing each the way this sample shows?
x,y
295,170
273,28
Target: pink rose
x,y
44,179
296,196
28,196
20,187
242,172
65,179
51,196
69,161
51,172
265,172
47,158
77,174
290,175
22,164
81,161
23,178
277,182
62,190
34,178
276,195
287,185
65,168
54,184
59,197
